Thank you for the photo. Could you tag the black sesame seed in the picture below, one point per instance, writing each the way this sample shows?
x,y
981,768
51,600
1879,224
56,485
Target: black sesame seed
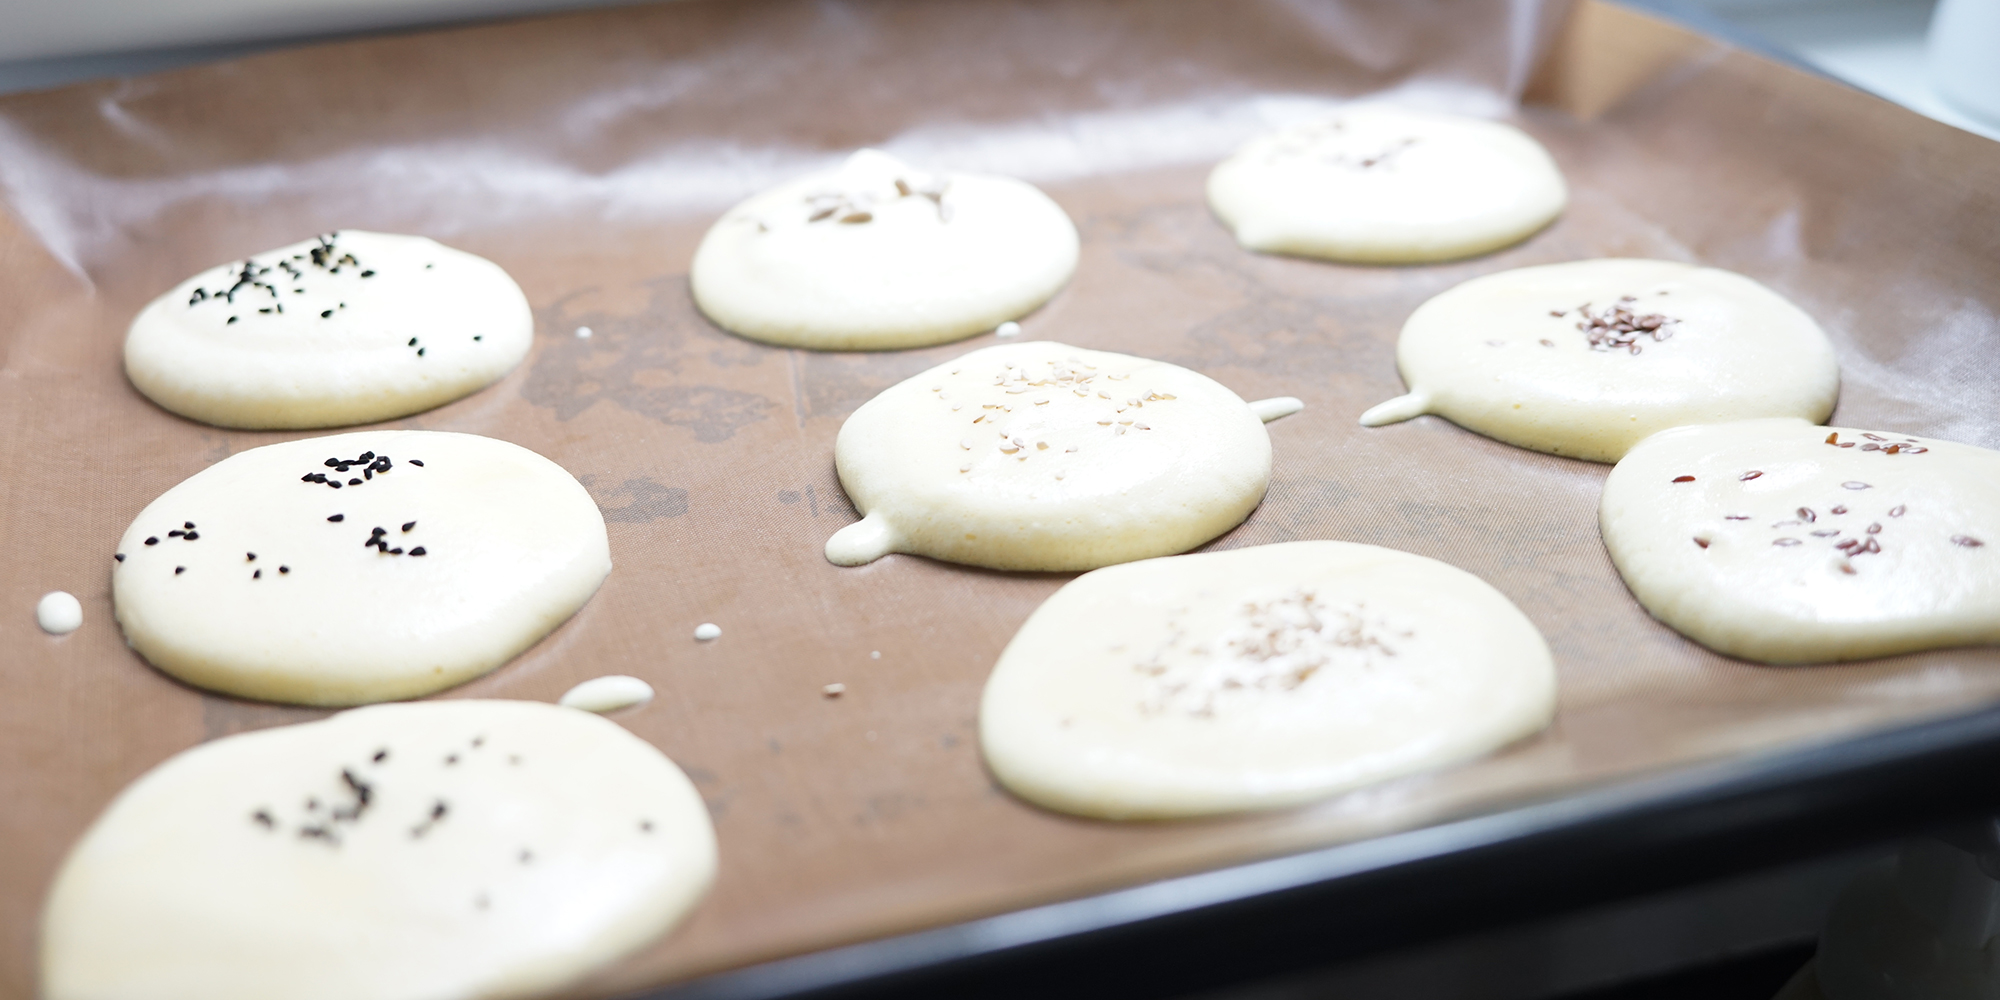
x,y
413,342
366,456
354,482
232,319
407,525
178,570
378,531
477,337
189,525
417,462
337,518
326,314
395,552
120,557
284,569
381,755
368,274
191,536
333,463
335,483
176,533
152,541
419,550
420,352
249,557
259,575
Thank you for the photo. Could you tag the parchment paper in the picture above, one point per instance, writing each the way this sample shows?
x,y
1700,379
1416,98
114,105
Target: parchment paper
x,y
587,153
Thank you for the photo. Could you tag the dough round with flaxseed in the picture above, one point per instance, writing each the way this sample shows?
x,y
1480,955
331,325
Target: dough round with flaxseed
x,y
1257,677
444,850
1586,359
1382,185
1784,542
879,255
346,328
1042,456
361,567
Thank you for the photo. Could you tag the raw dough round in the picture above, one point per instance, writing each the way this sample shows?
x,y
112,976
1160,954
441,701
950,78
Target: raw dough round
x,y
1381,185
1800,544
347,328
1258,677
1042,456
1588,358
877,255
248,580
432,851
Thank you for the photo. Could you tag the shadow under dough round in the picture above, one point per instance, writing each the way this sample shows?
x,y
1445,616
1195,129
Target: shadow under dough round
x,y
1784,542
876,255
1042,456
438,558
1258,677
348,328
1588,358
1381,185
449,849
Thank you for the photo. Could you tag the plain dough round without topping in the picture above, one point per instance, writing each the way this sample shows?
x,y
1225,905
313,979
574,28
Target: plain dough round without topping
x,y
877,255
348,328
1586,359
1380,185
433,851
1042,456
1256,678
250,587
1785,548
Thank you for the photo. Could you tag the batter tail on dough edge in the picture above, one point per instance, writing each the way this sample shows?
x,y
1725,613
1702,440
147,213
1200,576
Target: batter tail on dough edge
x,y
862,542
1395,411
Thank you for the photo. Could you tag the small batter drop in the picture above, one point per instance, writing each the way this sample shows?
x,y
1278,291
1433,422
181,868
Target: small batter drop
x,y
59,613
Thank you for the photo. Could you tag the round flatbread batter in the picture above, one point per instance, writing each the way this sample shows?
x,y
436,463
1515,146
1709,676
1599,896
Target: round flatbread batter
x,y
1256,678
360,567
1042,456
346,328
1588,358
1382,185
878,255
432,851
1783,542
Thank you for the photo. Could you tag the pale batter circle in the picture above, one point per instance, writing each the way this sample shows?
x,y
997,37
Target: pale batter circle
x,y
345,328
429,851
360,567
1256,678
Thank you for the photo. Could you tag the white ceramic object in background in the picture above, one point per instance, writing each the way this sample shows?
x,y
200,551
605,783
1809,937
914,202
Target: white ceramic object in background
x,y
1965,56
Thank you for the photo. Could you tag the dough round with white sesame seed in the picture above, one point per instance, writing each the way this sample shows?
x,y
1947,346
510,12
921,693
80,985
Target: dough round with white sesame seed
x,y
1586,359
347,328
879,255
431,851
361,567
1382,185
1042,456
1257,678
1783,542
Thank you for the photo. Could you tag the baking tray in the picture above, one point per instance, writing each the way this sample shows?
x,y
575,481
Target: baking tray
x,y
862,842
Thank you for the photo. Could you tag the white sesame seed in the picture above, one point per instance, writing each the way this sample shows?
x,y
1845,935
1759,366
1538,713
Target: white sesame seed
x,y
1008,329
707,630
833,690
583,332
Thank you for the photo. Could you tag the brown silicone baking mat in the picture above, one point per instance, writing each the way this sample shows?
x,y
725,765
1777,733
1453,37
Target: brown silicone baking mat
x,y
587,153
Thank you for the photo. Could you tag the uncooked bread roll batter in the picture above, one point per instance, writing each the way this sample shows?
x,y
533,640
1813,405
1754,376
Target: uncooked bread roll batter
x,y
1042,456
1382,185
1780,541
346,328
432,851
1586,359
878,255
359,567
1256,678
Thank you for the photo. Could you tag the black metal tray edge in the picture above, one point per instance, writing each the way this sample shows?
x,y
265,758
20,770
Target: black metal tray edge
x,y
1349,901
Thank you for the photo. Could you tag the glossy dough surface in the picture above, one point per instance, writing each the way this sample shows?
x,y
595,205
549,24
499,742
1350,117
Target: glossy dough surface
x,y
430,851
1784,548
1257,677
1586,359
349,328
1383,185
502,545
879,255
1042,456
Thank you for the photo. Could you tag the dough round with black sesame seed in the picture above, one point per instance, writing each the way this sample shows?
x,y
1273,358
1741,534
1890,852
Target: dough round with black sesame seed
x,y
430,851
1784,542
1042,456
1585,359
1382,185
348,328
878,255
417,560
1256,678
